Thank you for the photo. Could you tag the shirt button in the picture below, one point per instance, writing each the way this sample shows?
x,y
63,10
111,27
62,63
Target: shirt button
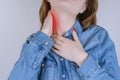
x,y
63,75
43,65
61,59
81,75
46,43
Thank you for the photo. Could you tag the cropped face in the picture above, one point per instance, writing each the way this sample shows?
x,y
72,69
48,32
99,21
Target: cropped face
x,y
68,6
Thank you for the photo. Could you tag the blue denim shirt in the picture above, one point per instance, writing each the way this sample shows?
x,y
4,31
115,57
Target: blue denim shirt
x,y
38,62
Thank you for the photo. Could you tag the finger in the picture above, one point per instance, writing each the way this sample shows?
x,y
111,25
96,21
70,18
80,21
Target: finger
x,y
75,37
63,39
56,46
49,12
58,42
55,50
48,21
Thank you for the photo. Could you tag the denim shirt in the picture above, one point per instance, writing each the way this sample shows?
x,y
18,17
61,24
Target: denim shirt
x,y
38,62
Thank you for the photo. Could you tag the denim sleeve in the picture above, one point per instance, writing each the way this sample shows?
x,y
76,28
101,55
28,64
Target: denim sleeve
x,y
107,68
32,54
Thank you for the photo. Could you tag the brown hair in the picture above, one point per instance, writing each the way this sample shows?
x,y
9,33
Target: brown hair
x,y
87,18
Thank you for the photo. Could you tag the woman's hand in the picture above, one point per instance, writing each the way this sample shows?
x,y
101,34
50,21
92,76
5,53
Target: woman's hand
x,y
71,50
47,26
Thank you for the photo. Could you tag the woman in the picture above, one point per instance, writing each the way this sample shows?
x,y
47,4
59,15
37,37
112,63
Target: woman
x,y
69,45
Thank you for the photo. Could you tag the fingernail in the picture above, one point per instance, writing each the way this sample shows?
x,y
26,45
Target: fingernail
x,y
74,29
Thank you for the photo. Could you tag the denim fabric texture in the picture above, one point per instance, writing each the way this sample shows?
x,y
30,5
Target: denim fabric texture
x,y
38,62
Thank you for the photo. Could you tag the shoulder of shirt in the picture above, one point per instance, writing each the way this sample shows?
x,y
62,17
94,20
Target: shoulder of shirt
x,y
97,28
100,32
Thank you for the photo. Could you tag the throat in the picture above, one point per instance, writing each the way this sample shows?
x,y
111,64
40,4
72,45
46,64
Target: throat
x,y
62,23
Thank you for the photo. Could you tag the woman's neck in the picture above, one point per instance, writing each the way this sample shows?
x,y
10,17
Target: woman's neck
x,y
63,22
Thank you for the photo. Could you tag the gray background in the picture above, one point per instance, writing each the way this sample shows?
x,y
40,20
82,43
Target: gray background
x,y
19,18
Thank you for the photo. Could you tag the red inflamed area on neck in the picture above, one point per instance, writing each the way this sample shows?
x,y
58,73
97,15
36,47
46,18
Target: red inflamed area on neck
x,y
54,22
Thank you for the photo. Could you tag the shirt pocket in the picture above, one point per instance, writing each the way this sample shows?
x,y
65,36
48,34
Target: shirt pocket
x,y
48,70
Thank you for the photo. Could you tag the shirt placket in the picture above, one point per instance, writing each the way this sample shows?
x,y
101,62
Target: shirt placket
x,y
64,74
63,69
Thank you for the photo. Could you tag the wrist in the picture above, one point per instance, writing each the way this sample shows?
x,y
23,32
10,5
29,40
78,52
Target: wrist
x,y
81,59
46,32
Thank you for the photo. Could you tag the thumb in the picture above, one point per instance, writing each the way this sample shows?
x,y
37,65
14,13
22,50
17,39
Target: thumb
x,y
75,37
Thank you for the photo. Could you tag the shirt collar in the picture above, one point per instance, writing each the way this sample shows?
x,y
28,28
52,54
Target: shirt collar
x,y
78,28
